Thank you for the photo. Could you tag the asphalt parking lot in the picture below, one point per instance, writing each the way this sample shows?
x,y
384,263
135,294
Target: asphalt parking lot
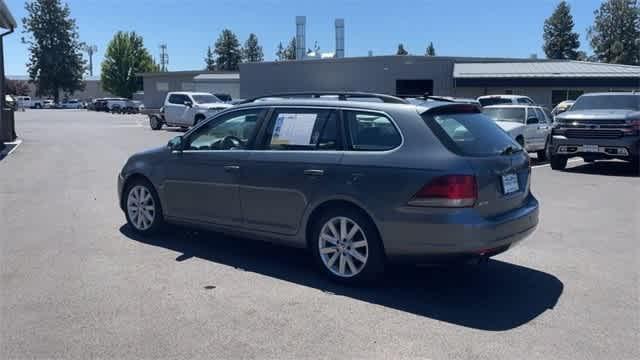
x,y
76,283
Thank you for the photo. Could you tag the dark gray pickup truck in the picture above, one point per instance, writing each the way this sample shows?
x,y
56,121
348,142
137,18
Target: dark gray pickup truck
x,y
598,126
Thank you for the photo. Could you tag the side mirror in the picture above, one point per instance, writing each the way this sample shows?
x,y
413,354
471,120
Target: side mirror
x,y
533,120
176,143
188,103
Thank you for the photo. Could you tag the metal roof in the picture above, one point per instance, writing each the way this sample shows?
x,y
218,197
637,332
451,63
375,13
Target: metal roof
x,y
549,69
6,19
227,76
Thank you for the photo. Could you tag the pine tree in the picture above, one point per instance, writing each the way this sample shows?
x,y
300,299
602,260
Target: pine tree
x,y
615,34
228,52
125,57
560,42
252,51
290,51
401,50
431,51
209,60
55,60
280,52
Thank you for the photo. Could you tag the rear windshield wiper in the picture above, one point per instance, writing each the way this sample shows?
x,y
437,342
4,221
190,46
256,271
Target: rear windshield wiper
x,y
509,150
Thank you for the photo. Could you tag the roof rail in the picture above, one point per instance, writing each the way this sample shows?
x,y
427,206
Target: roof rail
x,y
342,95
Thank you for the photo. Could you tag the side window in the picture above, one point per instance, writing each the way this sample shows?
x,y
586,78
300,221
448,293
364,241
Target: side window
x,y
524,101
371,131
542,119
532,117
176,99
548,115
227,132
302,129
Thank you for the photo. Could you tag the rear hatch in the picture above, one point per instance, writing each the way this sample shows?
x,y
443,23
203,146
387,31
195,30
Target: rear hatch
x,y
500,164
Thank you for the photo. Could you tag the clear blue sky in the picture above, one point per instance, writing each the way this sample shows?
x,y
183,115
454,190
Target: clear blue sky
x,y
499,28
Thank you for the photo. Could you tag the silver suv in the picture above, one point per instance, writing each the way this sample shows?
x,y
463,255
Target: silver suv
x,y
358,183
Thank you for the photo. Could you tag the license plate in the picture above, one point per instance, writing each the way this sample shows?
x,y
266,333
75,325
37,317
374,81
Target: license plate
x,y
590,148
510,183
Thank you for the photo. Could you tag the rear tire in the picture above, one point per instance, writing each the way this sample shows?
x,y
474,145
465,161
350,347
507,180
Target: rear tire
x,y
155,123
558,162
353,254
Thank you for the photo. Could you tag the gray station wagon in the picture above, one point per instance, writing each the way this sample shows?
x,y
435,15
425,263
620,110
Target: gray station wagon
x,y
358,183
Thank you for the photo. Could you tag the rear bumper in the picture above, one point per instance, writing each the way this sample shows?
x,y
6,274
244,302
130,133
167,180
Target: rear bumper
x,y
423,237
621,148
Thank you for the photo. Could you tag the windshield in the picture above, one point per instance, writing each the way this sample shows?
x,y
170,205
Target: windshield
x,y
608,102
516,115
224,97
494,101
205,99
470,134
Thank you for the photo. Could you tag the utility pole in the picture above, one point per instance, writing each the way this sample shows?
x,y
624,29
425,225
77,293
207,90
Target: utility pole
x,y
90,50
164,57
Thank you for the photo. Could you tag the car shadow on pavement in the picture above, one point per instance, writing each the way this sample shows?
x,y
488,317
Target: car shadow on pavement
x,y
610,168
497,296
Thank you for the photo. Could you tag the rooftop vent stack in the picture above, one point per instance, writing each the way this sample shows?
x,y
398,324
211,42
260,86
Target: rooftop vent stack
x,y
339,38
301,47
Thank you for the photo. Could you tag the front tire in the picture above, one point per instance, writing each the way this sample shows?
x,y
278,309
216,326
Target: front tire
x,y
544,154
346,246
142,207
558,162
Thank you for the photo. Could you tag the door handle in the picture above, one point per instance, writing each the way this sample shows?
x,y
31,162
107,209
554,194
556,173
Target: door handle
x,y
314,172
230,168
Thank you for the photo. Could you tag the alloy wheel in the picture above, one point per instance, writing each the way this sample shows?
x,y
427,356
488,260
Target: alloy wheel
x,y
343,247
141,207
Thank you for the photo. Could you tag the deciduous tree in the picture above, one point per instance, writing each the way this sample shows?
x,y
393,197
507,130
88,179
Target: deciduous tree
x,y
124,58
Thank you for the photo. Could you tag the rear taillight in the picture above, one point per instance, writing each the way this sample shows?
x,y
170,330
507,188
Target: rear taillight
x,y
447,191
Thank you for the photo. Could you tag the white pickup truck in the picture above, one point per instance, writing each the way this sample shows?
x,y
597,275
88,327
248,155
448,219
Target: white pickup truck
x,y
185,109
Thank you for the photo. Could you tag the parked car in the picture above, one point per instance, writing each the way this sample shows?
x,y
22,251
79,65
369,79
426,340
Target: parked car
x,y
530,126
115,105
489,100
99,104
71,104
186,109
10,102
133,107
357,183
598,126
562,107
225,98
23,102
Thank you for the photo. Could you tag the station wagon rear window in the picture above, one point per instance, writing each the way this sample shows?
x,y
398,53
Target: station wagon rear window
x,y
371,131
470,134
